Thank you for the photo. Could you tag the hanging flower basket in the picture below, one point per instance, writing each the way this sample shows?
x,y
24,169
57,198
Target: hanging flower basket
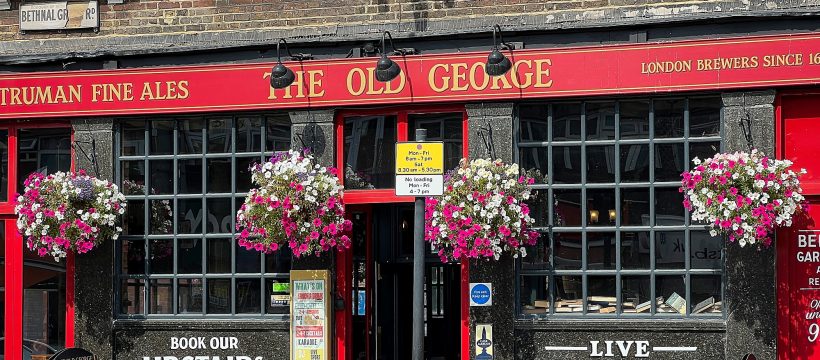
x,y
482,214
68,212
743,196
298,203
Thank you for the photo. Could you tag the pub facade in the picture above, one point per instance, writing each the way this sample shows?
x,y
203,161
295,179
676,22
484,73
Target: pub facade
x,y
610,117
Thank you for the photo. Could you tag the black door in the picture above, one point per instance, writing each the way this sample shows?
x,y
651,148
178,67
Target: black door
x,y
394,292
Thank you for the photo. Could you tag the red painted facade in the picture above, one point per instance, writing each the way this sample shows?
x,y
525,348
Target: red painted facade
x,y
625,69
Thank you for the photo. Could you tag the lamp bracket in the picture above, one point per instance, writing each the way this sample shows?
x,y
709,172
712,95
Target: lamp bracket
x,y
396,51
294,57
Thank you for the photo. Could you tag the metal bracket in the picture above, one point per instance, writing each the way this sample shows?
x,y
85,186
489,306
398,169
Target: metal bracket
x,y
486,134
90,157
746,125
308,138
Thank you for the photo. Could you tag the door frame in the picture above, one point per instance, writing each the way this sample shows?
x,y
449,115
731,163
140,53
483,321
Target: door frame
x,y
13,301
344,265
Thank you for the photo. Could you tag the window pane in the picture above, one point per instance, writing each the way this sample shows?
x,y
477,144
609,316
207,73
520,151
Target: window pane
x,y
533,122
673,290
133,256
189,256
669,118
132,295
566,164
539,207
601,295
635,294
669,162
219,135
566,121
132,137
249,134
43,299
669,207
538,255
248,296
601,250
634,163
600,120
278,133
635,250
704,116
162,256
706,251
634,207
219,215
162,137
219,256
279,262
189,299
535,295
566,207
445,127
162,213
133,177
219,296
190,176
189,216
599,203
601,164
670,252
247,261
278,296
243,173
568,294
161,297
706,294
634,119
190,136
133,222
568,251
370,152
703,150
534,160
45,151
161,177
219,179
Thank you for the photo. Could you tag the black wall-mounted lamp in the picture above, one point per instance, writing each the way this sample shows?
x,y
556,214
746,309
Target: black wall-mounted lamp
x,y
281,76
498,64
387,69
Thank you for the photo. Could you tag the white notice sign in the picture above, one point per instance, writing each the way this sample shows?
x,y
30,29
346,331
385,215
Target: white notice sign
x,y
419,185
59,15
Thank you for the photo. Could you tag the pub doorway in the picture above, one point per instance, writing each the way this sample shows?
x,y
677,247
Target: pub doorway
x,y
382,289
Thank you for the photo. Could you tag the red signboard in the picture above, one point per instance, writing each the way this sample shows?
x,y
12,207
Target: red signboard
x,y
625,69
798,247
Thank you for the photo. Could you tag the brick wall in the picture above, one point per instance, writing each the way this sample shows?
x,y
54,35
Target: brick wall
x,y
345,19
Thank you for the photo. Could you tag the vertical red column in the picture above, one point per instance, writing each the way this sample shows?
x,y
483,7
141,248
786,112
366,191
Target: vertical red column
x,y
69,301
465,264
14,267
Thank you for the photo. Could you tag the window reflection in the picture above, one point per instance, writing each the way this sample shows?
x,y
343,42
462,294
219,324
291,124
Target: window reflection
x,y
445,127
42,150
369,152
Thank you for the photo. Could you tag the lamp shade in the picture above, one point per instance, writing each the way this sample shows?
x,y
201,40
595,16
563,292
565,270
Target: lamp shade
x,y
497,63
281,76
386,69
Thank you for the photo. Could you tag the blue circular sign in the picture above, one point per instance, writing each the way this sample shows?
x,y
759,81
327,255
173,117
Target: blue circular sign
x,y
480,294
